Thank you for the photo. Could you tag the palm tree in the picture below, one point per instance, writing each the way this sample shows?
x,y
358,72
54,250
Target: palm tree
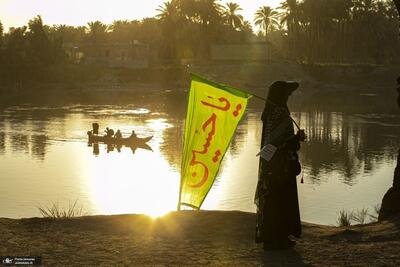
x,y
292,11
97,31
119,25
208,15
267,20
397,3
169,15
120,30
341,15
318,18
168,12
232,18
1,34
291,18
209,11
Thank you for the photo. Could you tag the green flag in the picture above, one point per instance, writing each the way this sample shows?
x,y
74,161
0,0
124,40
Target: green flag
x,y
213,113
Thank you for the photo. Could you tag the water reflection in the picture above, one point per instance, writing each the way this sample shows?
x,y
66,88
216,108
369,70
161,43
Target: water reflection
x,y
2,143
38,146
347,161
20,143
117,148
348,144
96,149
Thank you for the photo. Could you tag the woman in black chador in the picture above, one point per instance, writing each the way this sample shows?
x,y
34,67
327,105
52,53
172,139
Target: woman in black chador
x,y
276,197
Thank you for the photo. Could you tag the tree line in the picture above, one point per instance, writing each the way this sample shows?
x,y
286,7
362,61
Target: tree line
x,y
311,31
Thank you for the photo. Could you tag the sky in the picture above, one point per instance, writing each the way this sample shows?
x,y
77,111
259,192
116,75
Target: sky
x,y
15,13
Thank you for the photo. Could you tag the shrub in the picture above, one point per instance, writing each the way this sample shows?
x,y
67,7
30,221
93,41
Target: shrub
x,y
56,212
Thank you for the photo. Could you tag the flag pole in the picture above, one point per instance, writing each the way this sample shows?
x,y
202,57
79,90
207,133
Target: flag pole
x,y
259,97
266,100
226,88
179,199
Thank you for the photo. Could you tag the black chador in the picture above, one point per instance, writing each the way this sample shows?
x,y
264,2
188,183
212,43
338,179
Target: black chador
x,y
276,197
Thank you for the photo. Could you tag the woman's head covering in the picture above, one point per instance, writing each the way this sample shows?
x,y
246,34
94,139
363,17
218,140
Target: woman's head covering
x,y
279,92
278,95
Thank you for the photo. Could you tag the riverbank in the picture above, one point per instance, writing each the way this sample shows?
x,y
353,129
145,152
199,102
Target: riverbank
x,y
214,238
329,87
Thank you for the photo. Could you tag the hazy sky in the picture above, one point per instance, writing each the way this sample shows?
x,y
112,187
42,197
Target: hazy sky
x,y
78,12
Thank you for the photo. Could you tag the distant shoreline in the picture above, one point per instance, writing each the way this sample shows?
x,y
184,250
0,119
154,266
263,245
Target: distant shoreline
x,y
322,86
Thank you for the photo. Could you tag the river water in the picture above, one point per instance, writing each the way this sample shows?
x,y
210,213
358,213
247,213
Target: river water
x,y
348,160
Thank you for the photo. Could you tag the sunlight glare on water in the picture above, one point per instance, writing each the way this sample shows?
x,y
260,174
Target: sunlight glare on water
x,y
139,182
348,161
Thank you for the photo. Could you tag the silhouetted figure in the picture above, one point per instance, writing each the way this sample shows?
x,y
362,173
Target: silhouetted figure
x,y
109,132
133,134
118,134
391,201
95,127
278,214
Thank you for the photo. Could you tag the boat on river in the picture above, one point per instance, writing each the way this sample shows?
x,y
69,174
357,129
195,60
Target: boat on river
x,y
132,141
117,140
129,141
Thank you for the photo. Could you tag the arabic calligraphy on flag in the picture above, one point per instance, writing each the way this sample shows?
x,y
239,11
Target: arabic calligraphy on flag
x,y
213,114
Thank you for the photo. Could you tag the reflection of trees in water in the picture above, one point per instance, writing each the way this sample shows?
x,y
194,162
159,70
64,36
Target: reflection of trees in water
x,y
342,143
38,146
172,146
29,127
20,143
35,144
2,143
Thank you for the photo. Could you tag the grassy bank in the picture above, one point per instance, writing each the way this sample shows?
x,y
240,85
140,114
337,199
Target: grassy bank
x,y
193,238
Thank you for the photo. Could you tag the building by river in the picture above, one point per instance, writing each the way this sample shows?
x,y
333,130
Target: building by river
x,y
132,55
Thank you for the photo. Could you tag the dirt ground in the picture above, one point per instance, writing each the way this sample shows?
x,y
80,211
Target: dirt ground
x,y
214,238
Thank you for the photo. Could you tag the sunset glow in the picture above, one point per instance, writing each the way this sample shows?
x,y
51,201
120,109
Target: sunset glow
x,y
15,13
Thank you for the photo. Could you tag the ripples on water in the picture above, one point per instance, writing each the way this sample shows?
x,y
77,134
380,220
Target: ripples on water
x,y
348,161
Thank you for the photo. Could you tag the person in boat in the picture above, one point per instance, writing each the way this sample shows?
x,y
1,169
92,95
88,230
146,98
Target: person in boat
x,y
95,127
276,198
109,132
133,134
118,134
